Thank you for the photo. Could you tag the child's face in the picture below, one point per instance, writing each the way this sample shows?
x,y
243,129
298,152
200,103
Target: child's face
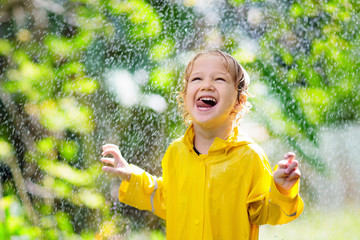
x,y
211,96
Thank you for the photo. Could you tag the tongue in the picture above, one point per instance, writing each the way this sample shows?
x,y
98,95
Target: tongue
x,y
203,104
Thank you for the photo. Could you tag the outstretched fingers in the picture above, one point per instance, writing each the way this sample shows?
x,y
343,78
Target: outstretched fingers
x,y
118,165
113,152
108,160
109,145
110,149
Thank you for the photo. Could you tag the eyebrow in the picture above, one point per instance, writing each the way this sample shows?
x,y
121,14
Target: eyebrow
x,y
215,73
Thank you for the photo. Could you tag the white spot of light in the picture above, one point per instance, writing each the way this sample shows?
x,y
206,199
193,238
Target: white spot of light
x,y
155,102
121,83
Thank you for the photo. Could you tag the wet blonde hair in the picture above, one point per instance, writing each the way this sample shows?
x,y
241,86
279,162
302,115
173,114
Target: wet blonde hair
x,y
240,76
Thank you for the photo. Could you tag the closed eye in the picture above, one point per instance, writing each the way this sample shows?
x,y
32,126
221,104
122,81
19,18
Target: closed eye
x,y
195,79
220,79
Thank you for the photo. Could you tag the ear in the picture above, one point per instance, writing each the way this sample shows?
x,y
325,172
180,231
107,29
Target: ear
x,y
240,103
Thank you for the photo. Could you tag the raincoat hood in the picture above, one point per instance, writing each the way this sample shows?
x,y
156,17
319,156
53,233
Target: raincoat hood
x,y
236,139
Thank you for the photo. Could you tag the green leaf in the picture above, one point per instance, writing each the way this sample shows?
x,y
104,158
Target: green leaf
x,y
5,47
71,70
52,117
63,222
68,150
46,145
162,49
66,114
146,22
59,47
235,3
91,198
61,188
162,77
244,55
6,149
296,10
313,102
66,172
81,86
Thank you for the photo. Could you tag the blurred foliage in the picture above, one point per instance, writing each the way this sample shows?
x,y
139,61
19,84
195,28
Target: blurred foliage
x,y
62,96
340,224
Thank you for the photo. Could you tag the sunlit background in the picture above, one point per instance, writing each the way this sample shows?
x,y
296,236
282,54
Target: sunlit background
x,y
75,74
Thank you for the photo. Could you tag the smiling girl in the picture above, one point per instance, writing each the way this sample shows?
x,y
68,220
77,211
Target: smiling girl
x,y
217,182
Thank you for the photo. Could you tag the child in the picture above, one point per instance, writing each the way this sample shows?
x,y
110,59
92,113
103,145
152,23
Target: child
x,y
216,183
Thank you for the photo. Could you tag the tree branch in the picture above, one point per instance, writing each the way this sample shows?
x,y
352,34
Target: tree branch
x,y
16,116
20,185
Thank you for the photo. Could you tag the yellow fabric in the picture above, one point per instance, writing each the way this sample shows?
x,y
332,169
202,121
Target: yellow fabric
x,y
222,195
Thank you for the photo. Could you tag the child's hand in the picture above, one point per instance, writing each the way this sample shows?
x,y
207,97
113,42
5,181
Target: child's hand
x,y
287,173
119,167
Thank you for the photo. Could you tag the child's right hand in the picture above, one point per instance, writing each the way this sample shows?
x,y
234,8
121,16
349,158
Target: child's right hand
x,y
119,167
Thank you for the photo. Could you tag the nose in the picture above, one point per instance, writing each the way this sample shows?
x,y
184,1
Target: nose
x,y
207,85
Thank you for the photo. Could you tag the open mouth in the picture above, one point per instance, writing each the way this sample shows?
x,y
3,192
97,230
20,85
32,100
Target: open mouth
x,y
206,102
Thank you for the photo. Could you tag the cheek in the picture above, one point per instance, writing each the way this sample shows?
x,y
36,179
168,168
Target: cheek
x,y
187,100
189,93
233,101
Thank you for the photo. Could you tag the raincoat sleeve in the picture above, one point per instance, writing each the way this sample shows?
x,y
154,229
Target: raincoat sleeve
x,y
145,191
266,205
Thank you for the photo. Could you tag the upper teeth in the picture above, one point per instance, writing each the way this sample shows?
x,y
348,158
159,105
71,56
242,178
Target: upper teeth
x,y
207,99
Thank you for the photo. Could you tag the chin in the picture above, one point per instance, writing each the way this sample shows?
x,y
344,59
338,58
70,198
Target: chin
x,y
205,123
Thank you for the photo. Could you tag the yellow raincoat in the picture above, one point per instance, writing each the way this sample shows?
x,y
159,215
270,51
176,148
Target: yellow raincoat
x,y
224,194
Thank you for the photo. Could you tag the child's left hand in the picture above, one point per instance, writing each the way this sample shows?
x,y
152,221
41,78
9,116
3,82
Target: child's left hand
x,y
287,173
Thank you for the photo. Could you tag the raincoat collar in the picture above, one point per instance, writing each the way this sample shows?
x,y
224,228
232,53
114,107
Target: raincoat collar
x,y
236,138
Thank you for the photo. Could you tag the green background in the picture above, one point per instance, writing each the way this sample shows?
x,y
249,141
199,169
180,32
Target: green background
x,y
77,74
